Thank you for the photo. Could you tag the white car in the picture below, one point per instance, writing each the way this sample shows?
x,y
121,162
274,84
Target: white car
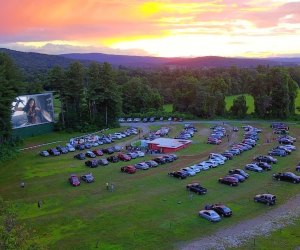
x,y
140,153
253,167
70,147
290,147
120,135
204,166
219,161
214,155
189,171
195,168
212,163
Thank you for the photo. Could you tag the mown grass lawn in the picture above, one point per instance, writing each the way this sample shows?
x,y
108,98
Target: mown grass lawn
x,y
147,210
249,101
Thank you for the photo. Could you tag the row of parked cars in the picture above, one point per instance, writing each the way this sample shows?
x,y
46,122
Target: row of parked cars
x,y
97,152
149,119
187,133
131,169
218,132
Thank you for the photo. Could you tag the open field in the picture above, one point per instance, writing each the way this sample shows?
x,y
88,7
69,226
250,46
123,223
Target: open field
x,y
147,210
249,101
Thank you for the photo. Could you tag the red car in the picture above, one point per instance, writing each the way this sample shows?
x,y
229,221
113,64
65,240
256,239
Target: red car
x,y
74,180
124,157
128,169
98,152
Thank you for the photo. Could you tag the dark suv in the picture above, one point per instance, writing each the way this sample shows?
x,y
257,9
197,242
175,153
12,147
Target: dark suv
x,y
196,188
268,199
221,209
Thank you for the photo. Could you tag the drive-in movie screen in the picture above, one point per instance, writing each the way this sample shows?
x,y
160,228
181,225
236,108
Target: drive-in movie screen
x,y
31,110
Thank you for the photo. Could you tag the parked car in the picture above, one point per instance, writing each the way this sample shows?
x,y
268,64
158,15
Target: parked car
x,y
53,151
133,155
108,151
113,159
277,152
92,163
141,165
178,174
74,181
189,171
98,152
151,164
266,158
88,178
284,140
62,150
287,176
239,171
124,157
204,165
70,147
44,153
175,157
264,165
240,178
228,155
140,153
215,141
268,199
210,215
116,148
90,154
80,156
128,169
168,158
87,145
231,181
103,162
221,209
80,147
159,160
196,188
298,168
253,167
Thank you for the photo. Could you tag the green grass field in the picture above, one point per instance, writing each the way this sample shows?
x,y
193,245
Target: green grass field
x,y
168,108
249,101
147,210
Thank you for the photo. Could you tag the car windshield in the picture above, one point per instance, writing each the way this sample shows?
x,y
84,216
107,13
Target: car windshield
x,y
291,174
226,209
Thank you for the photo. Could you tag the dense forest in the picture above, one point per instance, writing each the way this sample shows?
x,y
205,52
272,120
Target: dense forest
x,y
96,95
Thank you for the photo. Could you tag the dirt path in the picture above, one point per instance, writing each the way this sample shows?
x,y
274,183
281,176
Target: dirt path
x,y
238,234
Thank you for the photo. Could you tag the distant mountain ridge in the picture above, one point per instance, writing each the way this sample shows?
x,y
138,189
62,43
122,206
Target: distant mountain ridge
x,y
33,62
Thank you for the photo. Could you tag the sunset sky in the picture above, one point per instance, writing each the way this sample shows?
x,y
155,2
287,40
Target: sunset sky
x,y
250,28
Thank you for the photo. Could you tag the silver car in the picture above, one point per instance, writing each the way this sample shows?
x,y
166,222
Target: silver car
x,y
253,167
210,215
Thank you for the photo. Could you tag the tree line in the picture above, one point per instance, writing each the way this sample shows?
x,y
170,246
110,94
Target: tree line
x,y
94,96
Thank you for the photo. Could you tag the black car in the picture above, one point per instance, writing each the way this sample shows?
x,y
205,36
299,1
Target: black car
x,y
88,178
221,209
62,150
196,188
113,159
108,151
92,163
268,199
80,156
103,162
53,151
228,155
265,158
178,174
239,171
80,147
159,160
263,165
287,176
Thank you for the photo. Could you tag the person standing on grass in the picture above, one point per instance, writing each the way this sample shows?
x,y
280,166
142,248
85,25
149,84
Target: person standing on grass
x,y
107,186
